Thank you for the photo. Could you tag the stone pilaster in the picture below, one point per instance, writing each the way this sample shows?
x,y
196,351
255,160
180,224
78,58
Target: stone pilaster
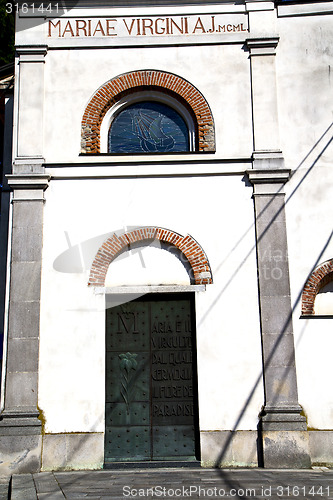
x,y
20,424
29,99
284,431
264,96
20,427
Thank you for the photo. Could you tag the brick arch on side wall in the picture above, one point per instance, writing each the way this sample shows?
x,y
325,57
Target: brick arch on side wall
x,y
113,90
322,275
115,245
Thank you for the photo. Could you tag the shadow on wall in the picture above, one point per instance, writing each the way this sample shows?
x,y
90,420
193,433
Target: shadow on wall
x,y
223,452
228,443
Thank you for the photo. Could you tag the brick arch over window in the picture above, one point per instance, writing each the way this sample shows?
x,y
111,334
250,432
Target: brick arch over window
x,y
117,87
322,275
115,245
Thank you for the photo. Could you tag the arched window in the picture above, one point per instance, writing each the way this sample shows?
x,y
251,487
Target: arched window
x,y
147,85
148,122
148,127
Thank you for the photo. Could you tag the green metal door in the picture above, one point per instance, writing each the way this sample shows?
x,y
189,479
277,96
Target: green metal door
x,y
151,410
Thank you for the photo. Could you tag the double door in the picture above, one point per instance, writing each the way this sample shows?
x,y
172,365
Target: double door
x,y
151,400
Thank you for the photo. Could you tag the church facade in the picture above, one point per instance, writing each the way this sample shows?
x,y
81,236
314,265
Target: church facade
x,y
167,213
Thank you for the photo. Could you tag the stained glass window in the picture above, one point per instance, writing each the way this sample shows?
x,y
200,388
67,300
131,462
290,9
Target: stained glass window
x,y
148,127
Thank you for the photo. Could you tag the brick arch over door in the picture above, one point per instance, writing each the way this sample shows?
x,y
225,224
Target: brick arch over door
x,y
322,275
115,245
117,87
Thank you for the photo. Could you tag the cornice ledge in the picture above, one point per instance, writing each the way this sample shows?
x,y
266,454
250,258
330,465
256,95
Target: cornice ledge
x,y
269,176
32,49
28,181
31,53
262,45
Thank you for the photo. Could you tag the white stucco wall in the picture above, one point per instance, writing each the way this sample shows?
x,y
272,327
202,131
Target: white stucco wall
x,y
310,244
72,318
84,212
217,210
304,65
73,76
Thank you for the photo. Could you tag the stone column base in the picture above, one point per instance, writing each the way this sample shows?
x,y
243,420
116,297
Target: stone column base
x,y
20,443
285,438
286,450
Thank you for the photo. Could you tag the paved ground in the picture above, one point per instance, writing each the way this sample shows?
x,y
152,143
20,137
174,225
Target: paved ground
x,y
175,483
4,482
